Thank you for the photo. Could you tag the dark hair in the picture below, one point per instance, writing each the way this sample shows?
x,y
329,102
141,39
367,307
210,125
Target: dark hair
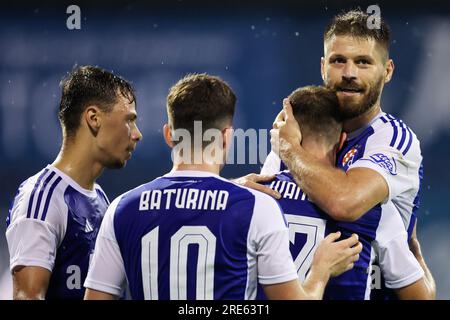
x,y
354,23
89,85
200,97
317,109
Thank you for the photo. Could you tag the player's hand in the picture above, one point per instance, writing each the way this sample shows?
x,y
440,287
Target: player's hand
x,y
337,257
253,181
285,130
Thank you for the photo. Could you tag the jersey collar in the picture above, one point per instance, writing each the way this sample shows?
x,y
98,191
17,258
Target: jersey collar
x,y
357,132
73,183
191,173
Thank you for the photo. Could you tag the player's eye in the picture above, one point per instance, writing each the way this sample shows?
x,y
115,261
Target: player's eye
x,y
362,61
338,60
131,119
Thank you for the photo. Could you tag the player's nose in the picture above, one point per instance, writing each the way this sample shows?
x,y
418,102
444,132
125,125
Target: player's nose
x,y
350,71
136,135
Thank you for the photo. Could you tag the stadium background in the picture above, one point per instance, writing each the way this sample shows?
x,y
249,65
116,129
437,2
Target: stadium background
x,y
263,49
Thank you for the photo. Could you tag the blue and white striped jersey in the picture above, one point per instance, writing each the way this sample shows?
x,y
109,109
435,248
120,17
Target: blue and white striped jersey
x,y
53,224
389,147
191,235
380,231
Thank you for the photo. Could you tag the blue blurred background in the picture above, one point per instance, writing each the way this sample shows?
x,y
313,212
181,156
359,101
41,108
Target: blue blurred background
x,y
264,50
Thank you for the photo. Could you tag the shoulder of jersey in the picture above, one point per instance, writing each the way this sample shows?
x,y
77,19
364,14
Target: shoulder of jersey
x,y
395,133
37,194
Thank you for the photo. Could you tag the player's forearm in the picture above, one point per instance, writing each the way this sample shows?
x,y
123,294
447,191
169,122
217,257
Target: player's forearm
x,y
315,283
430,284
326,186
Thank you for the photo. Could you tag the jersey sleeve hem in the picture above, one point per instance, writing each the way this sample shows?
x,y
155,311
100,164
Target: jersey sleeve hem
x,y
30,262
278,279
405,281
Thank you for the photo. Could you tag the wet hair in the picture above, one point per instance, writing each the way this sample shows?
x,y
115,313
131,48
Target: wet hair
x,y
90,85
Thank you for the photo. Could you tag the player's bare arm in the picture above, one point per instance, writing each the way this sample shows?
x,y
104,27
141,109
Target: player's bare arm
x,y
92,294
419,290
30,283
290,290
343,195
425,288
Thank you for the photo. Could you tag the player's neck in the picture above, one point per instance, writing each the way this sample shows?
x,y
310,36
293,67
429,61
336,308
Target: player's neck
x,y
362,120
76,161
213,168
319,151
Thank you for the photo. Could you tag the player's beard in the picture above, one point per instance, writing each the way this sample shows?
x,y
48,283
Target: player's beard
x,y
350,108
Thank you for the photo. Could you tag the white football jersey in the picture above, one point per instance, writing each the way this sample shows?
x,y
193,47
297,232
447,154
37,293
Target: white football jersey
x,y
388,146
150,234
53,223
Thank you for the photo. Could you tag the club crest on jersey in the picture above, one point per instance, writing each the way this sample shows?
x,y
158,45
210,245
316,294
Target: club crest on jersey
x,y
384,162
349,157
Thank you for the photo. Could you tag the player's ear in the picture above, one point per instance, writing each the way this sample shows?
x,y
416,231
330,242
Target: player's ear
x,y
322,68
168,135
92,119
227,137
342,140
389,70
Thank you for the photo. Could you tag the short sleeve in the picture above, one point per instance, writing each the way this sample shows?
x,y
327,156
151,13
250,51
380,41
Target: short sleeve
x,y
387,156
107,272
37,228
398,265
269,237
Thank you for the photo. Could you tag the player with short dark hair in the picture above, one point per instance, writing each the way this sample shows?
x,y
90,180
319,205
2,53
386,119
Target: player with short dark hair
x,y
55,216
381,159
195,99
191,234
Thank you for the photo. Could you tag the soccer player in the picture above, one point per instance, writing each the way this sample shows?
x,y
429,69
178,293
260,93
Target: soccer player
x,y
381,158
191,234
56,214
380,230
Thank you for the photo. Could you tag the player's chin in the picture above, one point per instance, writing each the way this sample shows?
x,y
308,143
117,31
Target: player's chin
x,y
117,164
350,102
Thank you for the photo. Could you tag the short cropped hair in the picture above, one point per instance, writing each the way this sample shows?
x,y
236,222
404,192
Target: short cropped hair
x,y
200,97
316,108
